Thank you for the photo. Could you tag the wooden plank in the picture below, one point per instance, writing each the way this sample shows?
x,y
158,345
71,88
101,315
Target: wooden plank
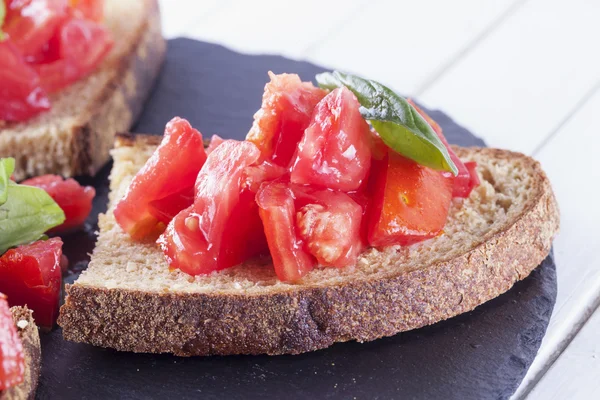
x,y
575,374
569,159
404,43
273,26
518,84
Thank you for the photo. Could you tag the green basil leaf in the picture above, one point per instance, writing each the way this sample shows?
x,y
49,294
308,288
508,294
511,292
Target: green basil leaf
x,y
400,126
27,213
2,16
7,167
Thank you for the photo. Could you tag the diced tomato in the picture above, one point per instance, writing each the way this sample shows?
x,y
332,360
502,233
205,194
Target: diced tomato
x,y
462,181
255,175
410,202
162,187
31,275
215,140
222,228
12,360
89,9
277,210
21,96
31,24
334,152
286,111
474,178
329,223
81,45
74,199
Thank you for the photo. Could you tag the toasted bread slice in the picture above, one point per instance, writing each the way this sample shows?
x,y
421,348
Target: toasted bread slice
x,y
28,333
74,137
128,299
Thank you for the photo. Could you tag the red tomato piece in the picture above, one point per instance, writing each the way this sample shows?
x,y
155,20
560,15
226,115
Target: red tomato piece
x,y
410,202
31,275
82,45
222,228
215,140
255,175
31,24
170,172
286,111
276,202
462,182
74,199
88,9
334,152
21,94
12,360
329,223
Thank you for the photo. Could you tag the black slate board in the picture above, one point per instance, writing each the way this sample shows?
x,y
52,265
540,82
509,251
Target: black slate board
x,y
483,354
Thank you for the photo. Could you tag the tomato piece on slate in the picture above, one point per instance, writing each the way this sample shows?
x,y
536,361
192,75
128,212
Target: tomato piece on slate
x,y
80,46
286,110
329,223
12,359
222,228
74,199
162,187
21,94
276,202
335,151
31,275
410,202
462,182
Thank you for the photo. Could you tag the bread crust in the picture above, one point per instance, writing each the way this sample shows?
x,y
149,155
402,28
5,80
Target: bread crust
x,y
33,356
308,318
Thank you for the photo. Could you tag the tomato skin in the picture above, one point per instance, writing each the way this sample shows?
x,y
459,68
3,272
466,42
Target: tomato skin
x,y
208,236
462,182
21,96
75,200
171,170
12,359
410,202
31,274
334,152
277,212
329,223
285,113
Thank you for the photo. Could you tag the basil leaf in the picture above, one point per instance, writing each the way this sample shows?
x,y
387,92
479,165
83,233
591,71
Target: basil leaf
x,y
27,213
400,126
2,16
7,167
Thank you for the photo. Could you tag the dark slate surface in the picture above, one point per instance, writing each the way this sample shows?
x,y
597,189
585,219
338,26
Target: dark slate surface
x,y
483,354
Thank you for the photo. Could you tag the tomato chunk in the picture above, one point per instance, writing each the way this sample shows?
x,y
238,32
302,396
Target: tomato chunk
x,y
222,228
334,152
21,94
462,182
276,202
74,199
12,360
31,275
286,111
162,187
215,140
410,202
329,223
89,9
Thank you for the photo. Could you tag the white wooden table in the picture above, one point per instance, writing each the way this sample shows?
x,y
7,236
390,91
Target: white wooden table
x,y
522,74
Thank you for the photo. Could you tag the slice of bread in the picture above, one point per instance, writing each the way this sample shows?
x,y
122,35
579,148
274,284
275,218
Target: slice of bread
x,y
28,333
74,137
128,299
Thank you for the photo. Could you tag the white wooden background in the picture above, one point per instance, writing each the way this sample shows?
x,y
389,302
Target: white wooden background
x,y
522,74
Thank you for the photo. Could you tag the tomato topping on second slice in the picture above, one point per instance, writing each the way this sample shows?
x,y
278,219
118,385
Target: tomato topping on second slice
x,y
410,202
276,202
286,110
164,186
12,360
222,228
75,200
31,275
334,152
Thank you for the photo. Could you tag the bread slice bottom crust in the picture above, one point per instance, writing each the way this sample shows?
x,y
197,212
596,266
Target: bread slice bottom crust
x,y
118,302
33,357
